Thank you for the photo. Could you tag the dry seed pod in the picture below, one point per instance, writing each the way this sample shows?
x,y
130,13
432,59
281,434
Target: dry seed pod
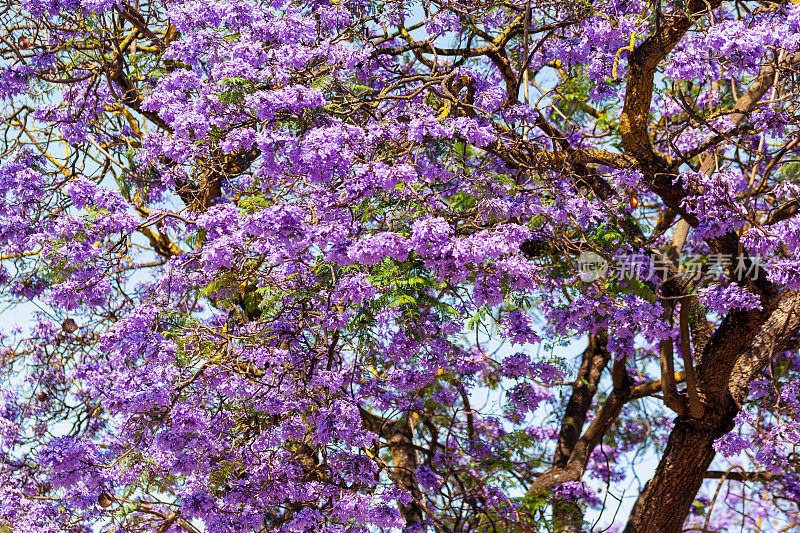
x,y
23,42
105,500
69,326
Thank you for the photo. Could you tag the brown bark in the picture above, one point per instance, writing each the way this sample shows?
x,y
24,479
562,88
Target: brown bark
x,y
399,437
745,340
568,515
665,502
696,409
699,327
576,464
634,120
669,387
404,460
740,347
594,361
667,498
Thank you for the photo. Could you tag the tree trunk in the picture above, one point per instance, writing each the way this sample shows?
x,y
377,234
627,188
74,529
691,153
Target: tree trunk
x,y
740,347
404,460
665,502
399,436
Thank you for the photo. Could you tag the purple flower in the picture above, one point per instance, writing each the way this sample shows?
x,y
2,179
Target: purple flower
x,y
731,444
577,491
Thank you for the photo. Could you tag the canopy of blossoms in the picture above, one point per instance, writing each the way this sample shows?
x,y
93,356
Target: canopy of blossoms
x,y
312,266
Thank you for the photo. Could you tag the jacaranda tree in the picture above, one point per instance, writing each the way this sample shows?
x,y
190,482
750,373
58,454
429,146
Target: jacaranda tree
x,y
314,265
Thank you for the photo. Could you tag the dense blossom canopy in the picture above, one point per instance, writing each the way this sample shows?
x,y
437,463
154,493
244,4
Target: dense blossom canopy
x,y
316,265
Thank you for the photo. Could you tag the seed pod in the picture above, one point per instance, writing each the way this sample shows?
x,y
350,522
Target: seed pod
x,y
69,326
23,42
105,500
634,201
42,396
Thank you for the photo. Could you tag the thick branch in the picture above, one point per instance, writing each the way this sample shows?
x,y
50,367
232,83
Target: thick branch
x,y
594,360
695,406
669,388
774,337
740,347
398,435
642,66
666,352
576,465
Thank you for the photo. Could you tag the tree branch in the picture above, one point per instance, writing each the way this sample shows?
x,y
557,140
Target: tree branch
x,y
696,408
576,465
773,337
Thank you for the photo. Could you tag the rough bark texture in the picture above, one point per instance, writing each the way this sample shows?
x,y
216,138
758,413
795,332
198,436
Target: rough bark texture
x,y
667,498
594,361
400,438
568,515
741,345
576,464
744,341
404,460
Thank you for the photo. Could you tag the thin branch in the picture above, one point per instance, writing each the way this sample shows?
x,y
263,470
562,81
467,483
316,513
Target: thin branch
x,y
696,408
